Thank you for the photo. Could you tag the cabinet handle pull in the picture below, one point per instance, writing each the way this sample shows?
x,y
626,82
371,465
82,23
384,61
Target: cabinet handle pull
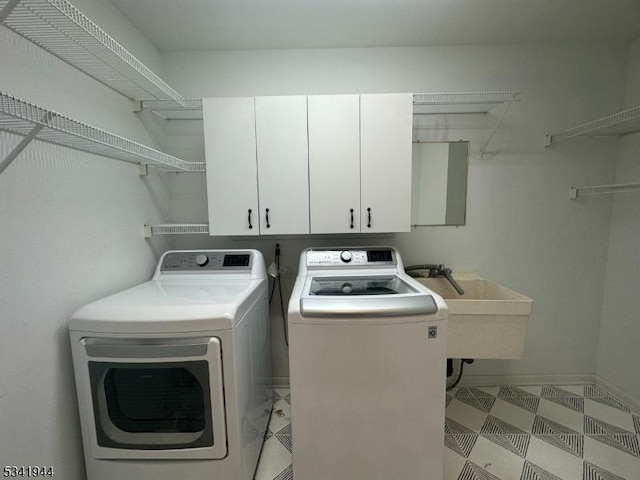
x,y
351,210
249,220
369,218
267,217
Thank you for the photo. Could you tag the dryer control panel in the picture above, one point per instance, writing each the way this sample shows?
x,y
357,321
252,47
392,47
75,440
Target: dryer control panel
x,y
206,261
351,257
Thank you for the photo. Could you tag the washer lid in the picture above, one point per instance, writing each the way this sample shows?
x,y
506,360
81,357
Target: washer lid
x,y
182,305
359,285
352,296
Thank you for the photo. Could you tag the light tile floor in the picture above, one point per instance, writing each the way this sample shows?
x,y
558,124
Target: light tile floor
x,y
545,432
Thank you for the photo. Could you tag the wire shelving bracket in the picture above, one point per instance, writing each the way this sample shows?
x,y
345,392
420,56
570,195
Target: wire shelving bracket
x,y
621,123
176,229
31,121
62,30
575,192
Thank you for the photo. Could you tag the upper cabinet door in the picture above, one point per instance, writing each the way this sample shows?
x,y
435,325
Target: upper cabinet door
x,y
230,150
334,163
283,164
385,162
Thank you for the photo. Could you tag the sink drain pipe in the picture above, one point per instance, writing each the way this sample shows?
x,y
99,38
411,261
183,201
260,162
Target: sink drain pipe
x,y
450,370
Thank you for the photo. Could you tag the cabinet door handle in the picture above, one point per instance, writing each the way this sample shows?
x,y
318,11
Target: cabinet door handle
x,y
351,210
249,220
369,218
267,217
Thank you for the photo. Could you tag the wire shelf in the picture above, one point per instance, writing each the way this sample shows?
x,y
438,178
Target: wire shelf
x,y
576,192
464,103
193,167
455,98
427,103
176,229
21,117
423,104
168,105
61,29
621,123
461,102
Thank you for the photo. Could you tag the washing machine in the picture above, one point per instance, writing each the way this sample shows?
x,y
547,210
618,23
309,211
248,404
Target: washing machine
x,y
367,368
173,376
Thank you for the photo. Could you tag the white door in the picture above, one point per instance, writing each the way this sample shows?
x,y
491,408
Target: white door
x,y
385,162
283,164
334,163
230,151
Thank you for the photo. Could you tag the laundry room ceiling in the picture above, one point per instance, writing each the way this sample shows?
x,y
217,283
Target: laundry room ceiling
x,y
259,24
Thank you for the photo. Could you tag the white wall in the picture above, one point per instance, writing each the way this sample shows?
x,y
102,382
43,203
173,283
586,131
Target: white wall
x,y
522,230
71,233
619,345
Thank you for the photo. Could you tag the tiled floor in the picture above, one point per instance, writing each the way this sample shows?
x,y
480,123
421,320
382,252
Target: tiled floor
x,y
546,432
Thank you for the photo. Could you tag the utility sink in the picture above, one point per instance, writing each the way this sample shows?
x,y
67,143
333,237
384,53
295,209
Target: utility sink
x,y
488,321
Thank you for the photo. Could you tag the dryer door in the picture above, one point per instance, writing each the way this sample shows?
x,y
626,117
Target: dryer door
x,y
156,398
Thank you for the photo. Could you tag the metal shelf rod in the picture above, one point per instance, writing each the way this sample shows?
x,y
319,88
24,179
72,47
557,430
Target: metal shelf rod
x,y
575,192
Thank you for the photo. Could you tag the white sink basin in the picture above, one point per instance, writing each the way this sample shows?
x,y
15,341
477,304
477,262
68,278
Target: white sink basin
x,y
488,321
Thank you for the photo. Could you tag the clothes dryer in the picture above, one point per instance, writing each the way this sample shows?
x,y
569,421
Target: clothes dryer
x,y
174,375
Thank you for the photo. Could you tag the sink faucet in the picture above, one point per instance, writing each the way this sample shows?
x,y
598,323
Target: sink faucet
x,y
437,271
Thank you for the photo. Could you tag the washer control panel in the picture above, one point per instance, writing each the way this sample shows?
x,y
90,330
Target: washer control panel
x,y
206,261
351,257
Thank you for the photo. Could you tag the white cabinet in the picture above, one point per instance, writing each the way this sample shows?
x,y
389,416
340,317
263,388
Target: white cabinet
x,y
334,163
257,165
283,166
317,164
360,163
230,147
386,122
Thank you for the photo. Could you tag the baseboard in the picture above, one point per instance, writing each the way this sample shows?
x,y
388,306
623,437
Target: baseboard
x,y
630,400
280,382
491,380
555,379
